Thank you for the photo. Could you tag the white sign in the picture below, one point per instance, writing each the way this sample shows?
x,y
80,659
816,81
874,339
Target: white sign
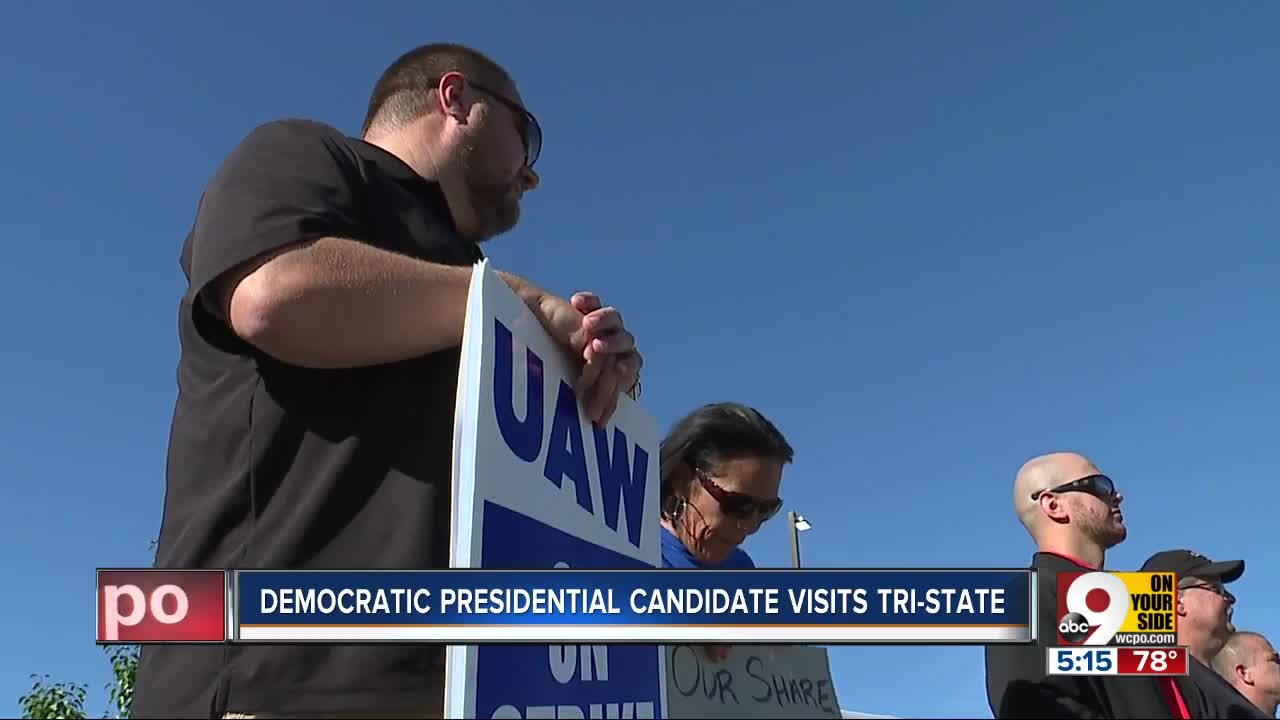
x,y
536,485
755,681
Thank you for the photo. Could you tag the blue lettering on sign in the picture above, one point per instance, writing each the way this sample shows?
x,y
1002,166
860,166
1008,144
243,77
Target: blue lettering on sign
x,y
605,682
621,483
570,463
617,480
524,437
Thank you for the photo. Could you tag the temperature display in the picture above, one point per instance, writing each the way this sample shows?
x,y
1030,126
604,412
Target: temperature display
x,y
1151,661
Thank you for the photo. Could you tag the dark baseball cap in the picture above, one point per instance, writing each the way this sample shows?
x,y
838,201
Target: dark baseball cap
x,y
1187,563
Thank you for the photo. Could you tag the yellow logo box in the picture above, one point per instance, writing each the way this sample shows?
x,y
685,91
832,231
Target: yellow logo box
x,y
1152,599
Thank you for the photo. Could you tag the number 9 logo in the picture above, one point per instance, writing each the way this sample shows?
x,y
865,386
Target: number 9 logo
x,y
1087,608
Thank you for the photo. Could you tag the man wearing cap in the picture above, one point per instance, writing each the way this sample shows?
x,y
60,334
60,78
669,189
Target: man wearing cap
x,y
1251,664
1204,610
1072,512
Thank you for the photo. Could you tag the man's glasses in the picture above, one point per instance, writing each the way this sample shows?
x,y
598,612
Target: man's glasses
x,y
526,123
1099,486
736,504
1215,588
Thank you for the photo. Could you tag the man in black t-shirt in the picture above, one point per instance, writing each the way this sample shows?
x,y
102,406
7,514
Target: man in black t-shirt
x,y
320,335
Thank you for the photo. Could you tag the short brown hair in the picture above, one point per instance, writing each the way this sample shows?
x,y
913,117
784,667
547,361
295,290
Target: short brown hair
x,y
403,92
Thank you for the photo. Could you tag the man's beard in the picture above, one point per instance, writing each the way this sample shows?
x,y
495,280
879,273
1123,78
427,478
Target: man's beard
x,y
1104,529
491,198
496,209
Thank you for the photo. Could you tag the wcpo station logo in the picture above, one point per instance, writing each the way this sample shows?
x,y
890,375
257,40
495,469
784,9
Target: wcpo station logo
x,y
1123,608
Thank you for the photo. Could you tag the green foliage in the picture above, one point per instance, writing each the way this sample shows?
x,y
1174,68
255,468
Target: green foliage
x,y
49,700
124,666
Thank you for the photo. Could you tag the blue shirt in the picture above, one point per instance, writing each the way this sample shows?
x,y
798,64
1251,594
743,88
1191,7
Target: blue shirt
x,y
676,555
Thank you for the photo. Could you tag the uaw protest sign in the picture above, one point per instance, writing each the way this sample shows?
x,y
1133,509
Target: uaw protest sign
x,y
536,485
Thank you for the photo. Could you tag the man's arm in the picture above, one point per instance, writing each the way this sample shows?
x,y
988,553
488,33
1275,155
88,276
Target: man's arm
x,y
335,303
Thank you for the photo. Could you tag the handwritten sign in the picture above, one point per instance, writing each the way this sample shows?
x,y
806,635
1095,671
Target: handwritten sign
x,y
755,681
536,486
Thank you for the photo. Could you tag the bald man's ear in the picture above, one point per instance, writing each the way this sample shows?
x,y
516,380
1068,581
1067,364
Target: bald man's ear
x,y
1244,674
1053,507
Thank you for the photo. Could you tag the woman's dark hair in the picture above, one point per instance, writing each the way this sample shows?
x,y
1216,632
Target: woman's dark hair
x,y
715,434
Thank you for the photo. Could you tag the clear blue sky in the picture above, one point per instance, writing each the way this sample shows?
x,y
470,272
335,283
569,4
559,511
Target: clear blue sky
x,y
929,239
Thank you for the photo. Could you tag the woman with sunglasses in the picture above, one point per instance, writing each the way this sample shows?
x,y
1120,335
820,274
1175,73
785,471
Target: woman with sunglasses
x,y
721,471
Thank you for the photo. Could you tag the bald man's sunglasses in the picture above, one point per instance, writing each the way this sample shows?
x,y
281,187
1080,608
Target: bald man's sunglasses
x,y
735,504
1099,486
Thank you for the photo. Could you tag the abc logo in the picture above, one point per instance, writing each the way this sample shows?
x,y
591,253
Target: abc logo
x,y
1095,607
1073,627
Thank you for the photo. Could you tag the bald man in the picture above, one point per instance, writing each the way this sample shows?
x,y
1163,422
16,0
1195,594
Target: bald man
x,y
1072,512
1069,507
1250,663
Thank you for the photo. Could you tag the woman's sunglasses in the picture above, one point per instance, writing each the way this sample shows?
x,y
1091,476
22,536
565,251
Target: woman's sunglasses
x,y
1099,486
736,504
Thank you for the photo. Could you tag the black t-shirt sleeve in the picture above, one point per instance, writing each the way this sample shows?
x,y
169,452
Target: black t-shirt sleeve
x,y
287,182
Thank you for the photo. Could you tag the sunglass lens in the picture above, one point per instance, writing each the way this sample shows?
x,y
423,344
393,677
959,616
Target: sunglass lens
x,y
738,505
1104,486
742,506
533,140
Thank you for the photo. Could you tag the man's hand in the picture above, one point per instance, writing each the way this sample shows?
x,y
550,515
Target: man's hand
x,y
593,335
596,336
612,363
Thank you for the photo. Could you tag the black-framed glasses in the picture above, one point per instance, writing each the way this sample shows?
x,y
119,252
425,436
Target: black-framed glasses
x,y
1216,588
736,504
1099,486
526,124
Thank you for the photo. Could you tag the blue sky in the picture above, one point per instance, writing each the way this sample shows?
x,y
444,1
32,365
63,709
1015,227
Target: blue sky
x,y
929,240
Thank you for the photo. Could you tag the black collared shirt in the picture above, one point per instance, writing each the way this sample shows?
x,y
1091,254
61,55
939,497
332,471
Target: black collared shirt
x,y
276,466
1209,695
1018,685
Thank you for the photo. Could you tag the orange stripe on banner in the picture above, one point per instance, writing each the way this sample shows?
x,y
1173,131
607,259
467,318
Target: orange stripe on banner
x,y
622,625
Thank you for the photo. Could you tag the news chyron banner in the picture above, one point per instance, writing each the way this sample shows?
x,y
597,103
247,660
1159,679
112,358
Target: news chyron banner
x,y
539,486
566,606
1117,609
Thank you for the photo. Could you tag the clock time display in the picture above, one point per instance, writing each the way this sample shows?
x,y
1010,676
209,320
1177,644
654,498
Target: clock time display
x,y
1117,660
